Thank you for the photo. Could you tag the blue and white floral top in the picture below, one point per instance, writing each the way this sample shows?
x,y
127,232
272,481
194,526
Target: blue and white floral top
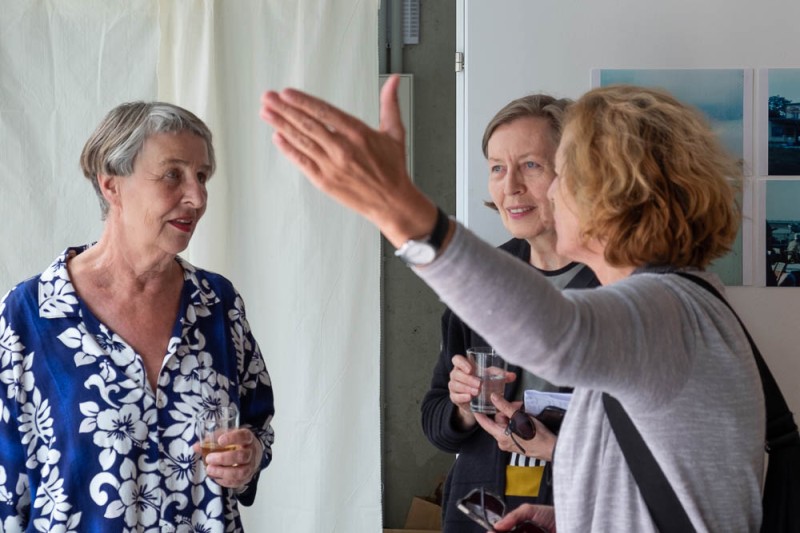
x,y
87,445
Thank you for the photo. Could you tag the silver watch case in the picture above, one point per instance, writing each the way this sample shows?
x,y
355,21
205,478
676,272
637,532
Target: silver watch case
x,y
417,252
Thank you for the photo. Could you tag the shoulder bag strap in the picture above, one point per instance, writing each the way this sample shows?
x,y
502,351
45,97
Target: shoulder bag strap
x,y
781,428
662,502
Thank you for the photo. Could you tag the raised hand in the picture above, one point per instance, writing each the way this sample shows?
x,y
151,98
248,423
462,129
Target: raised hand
x,y
362,168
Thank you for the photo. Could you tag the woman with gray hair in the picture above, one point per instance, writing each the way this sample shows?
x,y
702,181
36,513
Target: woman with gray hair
x,y
111,357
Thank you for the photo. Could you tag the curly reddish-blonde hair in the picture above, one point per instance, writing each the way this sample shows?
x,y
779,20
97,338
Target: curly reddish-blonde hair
x,y
650,178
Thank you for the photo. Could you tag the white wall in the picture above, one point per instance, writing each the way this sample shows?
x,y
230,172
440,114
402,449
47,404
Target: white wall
x,y
516,47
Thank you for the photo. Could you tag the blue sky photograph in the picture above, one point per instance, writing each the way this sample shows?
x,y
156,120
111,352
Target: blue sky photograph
x,y
718,93
782,200
785,82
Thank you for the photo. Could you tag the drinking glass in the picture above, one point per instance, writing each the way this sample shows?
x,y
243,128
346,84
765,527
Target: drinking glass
x,y
211,425
491,369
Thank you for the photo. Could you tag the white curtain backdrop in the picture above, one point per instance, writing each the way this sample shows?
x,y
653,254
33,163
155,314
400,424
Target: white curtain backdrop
x,y
307,269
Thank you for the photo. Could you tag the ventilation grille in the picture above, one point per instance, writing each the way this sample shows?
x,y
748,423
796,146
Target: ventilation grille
x,y
410,21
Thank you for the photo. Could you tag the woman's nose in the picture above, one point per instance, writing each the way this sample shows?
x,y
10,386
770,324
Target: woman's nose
x,y
195,192
514,183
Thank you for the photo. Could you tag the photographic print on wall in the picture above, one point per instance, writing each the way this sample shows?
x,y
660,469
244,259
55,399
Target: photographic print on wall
x,y
725,97
782,225
780,132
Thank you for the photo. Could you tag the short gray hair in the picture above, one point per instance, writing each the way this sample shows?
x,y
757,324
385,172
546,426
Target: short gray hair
x,y
113,147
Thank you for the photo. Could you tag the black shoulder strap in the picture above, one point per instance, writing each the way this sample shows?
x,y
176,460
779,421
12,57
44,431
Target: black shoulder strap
x,y
664,506
781,428
782,434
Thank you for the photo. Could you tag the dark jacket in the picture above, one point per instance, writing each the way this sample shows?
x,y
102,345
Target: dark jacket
x,y
480,463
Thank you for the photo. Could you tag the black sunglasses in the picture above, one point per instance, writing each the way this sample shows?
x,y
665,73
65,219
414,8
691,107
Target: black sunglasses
x,y
486,509
521,424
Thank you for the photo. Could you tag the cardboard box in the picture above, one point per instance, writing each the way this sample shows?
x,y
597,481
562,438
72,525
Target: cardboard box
x,y
423,517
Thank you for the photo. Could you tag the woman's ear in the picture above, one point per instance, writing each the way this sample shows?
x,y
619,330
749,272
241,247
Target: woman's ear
x,y
109,188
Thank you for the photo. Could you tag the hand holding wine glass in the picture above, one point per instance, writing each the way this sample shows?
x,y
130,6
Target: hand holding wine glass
x,y
230,453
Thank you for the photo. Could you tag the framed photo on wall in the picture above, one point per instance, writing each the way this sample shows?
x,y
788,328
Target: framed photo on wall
x,y
779,132
781,225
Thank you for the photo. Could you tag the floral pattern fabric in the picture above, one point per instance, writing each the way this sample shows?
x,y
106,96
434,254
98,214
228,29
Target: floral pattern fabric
x,y
87,445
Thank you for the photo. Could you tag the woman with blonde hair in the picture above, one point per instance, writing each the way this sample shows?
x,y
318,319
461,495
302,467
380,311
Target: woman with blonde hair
x,y
642,195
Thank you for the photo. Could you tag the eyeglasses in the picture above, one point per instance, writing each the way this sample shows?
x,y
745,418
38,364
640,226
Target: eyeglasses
x,y
521,424
487,508
483,507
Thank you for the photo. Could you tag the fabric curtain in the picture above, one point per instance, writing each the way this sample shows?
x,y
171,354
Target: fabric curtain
x,y
308,270
63,65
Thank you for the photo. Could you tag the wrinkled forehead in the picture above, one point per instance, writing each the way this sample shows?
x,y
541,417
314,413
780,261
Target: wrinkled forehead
x,y
177,146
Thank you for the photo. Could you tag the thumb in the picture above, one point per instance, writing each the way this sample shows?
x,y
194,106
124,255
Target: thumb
x,y
391,122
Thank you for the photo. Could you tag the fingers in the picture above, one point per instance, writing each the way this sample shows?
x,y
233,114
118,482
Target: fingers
x,y
544,515
501,418
303,132
234,468
497,429
239,436
391,120
231,469
458,396
240,457
462,385
293,144
306,165
503,406
230,476
462,363
490,426
321,112
362,168
540,446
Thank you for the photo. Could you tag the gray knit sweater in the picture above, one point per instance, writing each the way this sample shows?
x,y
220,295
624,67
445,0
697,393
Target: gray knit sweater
x,y
668,350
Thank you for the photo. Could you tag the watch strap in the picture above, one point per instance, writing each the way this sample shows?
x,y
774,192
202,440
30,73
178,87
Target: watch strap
x,y
432,242
439,233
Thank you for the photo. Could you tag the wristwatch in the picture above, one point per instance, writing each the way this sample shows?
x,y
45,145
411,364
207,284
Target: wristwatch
x,y
421,252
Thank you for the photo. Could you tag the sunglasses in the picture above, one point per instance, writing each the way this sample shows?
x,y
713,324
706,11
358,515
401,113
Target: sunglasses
x,y
486,509
521,424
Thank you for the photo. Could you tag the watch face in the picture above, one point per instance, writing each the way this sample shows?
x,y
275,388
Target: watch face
x,y
418,253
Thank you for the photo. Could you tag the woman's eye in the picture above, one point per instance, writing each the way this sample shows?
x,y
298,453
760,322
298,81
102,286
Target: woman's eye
x,y
497,168
172,174
202,178
531,164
